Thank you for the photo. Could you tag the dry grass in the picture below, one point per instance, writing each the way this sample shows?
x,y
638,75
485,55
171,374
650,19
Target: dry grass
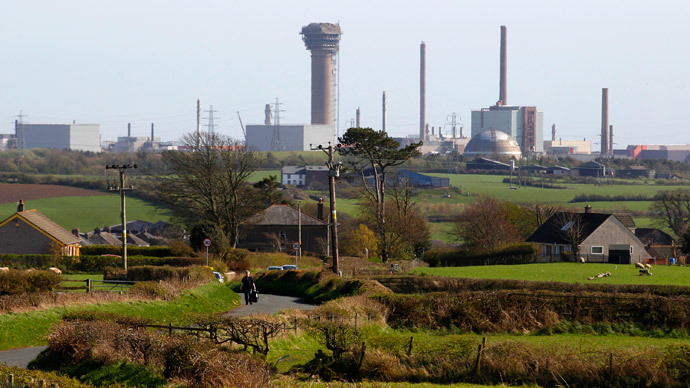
x,y
44,300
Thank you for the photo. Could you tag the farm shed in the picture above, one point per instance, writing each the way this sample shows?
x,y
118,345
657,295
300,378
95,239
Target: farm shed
x,y
276,228
602,237
30,232
416,179
487,164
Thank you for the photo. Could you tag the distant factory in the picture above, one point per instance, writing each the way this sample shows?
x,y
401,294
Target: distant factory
x,y
322,39
523,124
76,137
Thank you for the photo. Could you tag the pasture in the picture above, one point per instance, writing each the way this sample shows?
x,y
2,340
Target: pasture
x,y
568,273
88,212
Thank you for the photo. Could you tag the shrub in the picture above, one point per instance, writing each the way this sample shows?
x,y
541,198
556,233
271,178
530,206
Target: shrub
x,y
522,253
149,290
189,274
155,251
14,282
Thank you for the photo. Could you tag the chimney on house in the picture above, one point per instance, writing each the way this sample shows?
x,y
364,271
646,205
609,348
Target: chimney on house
x,y
588,209
75,232
319,210
20,206
96,230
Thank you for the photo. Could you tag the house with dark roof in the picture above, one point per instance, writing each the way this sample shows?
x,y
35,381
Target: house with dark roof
x,y
303,175
590,168
30,232
277,227
660,245
599,238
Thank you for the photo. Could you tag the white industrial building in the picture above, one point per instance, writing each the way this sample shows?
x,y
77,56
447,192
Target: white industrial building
x,y
289,137
525,124
76,137
568,147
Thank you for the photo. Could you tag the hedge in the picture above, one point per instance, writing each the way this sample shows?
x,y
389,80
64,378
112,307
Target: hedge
x,y
155,251
92,263
514,254
149,273
15,282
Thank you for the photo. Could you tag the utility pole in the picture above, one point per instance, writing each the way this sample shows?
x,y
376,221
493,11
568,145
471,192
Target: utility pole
x,y
299,228
122,168
198,124
333,172
383,112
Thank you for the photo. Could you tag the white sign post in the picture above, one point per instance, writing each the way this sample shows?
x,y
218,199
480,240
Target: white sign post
x,y
296,246
207,243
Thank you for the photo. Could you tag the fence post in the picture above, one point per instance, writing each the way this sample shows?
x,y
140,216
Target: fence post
x,y
11,379
170,328
409,347
295,325
355,320
88,285
478,362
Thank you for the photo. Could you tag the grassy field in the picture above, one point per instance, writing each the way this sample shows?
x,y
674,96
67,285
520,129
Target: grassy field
x,y
87,213
30,328
568,272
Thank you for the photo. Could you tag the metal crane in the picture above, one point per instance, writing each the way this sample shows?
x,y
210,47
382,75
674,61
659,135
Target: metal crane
x,y
244,132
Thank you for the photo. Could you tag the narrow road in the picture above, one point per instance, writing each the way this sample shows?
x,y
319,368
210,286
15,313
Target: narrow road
x,y
268,304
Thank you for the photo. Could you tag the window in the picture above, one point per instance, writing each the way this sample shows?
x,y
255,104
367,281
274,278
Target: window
x,y
567,226
597,250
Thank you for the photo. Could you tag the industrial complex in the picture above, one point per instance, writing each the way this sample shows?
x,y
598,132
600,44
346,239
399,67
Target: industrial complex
x,y
499,130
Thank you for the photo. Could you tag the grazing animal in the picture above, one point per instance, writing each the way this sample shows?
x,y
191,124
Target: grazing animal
x,y
639,265
649,266
582,259
4,269
55,270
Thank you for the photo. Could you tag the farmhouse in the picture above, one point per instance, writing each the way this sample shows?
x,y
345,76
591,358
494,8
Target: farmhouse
x,y
30,232
599,237
276,229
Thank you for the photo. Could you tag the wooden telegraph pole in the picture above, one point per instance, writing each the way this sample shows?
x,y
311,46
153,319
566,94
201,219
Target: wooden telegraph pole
x,y
333,172
122,168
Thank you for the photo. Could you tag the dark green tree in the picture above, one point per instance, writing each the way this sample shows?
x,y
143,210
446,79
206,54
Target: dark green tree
x,y
374,152
268,193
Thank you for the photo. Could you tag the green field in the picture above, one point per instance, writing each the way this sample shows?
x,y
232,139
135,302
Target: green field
x,y
86,213
568,272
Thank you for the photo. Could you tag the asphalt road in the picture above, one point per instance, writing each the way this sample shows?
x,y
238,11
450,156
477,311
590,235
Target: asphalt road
x,y
268,304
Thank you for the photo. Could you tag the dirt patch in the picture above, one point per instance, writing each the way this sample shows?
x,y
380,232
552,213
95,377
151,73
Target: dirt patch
x,y
13,192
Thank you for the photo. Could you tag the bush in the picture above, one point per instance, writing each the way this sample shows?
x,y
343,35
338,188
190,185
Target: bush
x,y
149,290
14,282
155,251
522,253
191,274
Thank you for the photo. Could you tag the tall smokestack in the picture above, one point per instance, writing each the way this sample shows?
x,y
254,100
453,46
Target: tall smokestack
x,y
129,130
604,121
358,116
198,117
503,90
267,115
553,132
151,131
422,91
611,139
383,111
322,39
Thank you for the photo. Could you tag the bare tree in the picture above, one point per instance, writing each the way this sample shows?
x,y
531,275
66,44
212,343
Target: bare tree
x,y
207,181
672,208
572,229
485,224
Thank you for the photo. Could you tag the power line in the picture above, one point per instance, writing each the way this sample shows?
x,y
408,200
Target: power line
x,y
276,142
211,119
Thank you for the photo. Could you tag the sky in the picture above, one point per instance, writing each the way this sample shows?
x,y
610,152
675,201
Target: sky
x,y
148,61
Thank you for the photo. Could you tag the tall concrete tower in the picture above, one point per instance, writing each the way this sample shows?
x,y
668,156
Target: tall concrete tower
x,y
422,91
322,39
503,81
604,121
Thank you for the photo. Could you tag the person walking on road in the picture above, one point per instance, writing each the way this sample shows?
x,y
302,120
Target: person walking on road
x,y
248,287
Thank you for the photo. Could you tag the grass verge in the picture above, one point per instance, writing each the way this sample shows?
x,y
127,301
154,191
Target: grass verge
x,y
31,328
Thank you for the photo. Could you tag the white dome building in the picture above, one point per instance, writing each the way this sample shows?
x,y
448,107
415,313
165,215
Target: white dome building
x,y
492,142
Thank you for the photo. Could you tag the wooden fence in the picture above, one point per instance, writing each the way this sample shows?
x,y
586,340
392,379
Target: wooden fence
x,y
91,285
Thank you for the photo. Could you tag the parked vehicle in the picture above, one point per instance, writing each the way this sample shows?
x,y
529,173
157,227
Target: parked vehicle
x,y
219,276
288,267
275,268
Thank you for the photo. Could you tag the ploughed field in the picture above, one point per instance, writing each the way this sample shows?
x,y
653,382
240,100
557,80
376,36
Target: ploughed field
x,y
13,192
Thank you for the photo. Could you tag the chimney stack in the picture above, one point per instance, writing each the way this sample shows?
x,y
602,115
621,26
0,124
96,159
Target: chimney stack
x,y
152,132
75,232
588,209
604,121
322,39
20,206
422,91
611,139
553,132
503,92
358,116
319,210
129,130
267,115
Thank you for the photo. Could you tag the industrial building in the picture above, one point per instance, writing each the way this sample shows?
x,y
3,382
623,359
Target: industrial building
x,y
492,143
678,153
522,123
322,40
76,137
567,147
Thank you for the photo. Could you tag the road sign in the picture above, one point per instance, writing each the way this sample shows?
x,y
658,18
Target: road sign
x,y
207,242
295,246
